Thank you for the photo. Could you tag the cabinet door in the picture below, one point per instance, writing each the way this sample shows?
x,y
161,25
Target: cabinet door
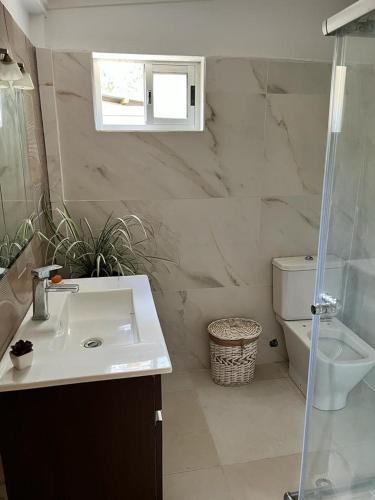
x,y
158,439
91,441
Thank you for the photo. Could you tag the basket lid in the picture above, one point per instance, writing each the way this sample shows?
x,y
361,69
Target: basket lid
x,y
235,329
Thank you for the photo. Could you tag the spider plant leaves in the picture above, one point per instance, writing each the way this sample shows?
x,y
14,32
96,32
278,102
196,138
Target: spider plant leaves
x,y
117,248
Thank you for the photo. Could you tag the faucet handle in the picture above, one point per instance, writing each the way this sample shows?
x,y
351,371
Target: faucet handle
x,y
45,272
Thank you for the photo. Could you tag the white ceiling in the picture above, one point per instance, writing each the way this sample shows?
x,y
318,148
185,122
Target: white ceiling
x,y
66,4
34,6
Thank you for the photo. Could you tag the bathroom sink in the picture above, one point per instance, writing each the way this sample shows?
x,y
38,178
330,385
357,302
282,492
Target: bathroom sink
x,y
109,329
96,319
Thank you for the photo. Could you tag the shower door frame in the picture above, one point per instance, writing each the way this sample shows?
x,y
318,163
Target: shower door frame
x,y
333,26
347,16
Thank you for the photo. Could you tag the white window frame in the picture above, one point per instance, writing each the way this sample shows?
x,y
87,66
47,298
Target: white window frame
x,y
194,67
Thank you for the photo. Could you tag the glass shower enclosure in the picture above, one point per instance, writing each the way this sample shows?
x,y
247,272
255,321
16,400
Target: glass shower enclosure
x,y
339,446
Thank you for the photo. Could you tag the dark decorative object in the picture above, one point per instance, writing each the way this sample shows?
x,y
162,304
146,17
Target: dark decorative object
x,y
21,347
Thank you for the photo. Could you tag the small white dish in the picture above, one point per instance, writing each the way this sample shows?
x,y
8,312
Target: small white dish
x,y
22,362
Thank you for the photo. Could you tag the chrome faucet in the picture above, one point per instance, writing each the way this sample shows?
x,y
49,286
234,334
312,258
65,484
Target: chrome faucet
x,y
41,290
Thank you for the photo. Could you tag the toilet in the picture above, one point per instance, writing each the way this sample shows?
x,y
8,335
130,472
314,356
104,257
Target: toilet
x,y
343,358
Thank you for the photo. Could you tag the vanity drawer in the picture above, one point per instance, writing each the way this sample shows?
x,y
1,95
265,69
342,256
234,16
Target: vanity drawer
x,y
93,440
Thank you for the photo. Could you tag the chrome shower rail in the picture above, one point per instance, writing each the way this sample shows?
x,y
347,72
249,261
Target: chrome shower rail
x,y
346,16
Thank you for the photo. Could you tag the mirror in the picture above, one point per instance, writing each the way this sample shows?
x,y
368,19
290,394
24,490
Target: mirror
x,y
15,183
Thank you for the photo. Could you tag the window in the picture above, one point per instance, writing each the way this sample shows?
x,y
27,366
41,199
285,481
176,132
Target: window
x,y
148,93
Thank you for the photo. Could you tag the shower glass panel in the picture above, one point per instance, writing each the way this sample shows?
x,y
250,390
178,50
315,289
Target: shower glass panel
x,y
339,448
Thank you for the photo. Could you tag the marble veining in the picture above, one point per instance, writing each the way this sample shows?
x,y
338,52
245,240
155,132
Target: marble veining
x,y
222,202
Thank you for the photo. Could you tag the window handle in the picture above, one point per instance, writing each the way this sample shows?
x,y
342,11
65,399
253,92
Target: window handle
x,y
149,97
192,95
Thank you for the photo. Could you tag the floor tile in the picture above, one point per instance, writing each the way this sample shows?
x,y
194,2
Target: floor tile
x,y
176,381
263,479
182,411
270,371
188,451
187,442
261,420
205,484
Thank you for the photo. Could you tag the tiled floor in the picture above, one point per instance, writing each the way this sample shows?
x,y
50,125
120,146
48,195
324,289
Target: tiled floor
x,y
237,443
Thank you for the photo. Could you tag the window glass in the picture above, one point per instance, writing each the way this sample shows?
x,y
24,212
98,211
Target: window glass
x,y
136,92
170,95
122,89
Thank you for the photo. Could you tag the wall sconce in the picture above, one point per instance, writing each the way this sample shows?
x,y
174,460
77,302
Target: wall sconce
x,y
25,83
9,69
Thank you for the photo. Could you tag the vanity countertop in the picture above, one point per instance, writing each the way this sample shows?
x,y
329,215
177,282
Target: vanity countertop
x,y
117,312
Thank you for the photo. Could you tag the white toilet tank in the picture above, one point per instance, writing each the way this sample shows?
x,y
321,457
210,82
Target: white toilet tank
x,y
294,282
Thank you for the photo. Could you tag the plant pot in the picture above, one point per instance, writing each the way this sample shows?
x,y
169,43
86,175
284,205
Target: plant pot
x,y
22,362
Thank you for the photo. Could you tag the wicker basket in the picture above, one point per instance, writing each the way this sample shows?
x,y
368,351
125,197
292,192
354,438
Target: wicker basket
x,y
233,350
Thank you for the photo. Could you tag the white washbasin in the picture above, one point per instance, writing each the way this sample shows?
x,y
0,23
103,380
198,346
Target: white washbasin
x,y
109,329
106,317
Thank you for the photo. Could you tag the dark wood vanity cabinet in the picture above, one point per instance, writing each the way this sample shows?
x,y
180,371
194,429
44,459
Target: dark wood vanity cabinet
x,y
88,441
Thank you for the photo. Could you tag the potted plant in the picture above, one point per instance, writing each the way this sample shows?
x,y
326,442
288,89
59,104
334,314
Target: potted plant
x,y
21,354
118,248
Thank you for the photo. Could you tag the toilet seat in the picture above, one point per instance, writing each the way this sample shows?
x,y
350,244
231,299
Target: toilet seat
x,y
340,344
337,343
343,360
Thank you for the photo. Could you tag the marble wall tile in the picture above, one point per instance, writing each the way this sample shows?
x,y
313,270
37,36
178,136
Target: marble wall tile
x,y
359,310
45,67
51,125
296,130
236,75
222,202
224,160
364,236
349,162
185,315
33,149
289,226
217,244
53,156
293,77
237,126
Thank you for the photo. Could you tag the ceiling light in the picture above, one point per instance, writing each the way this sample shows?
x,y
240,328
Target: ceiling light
x,y
25,83
9,70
